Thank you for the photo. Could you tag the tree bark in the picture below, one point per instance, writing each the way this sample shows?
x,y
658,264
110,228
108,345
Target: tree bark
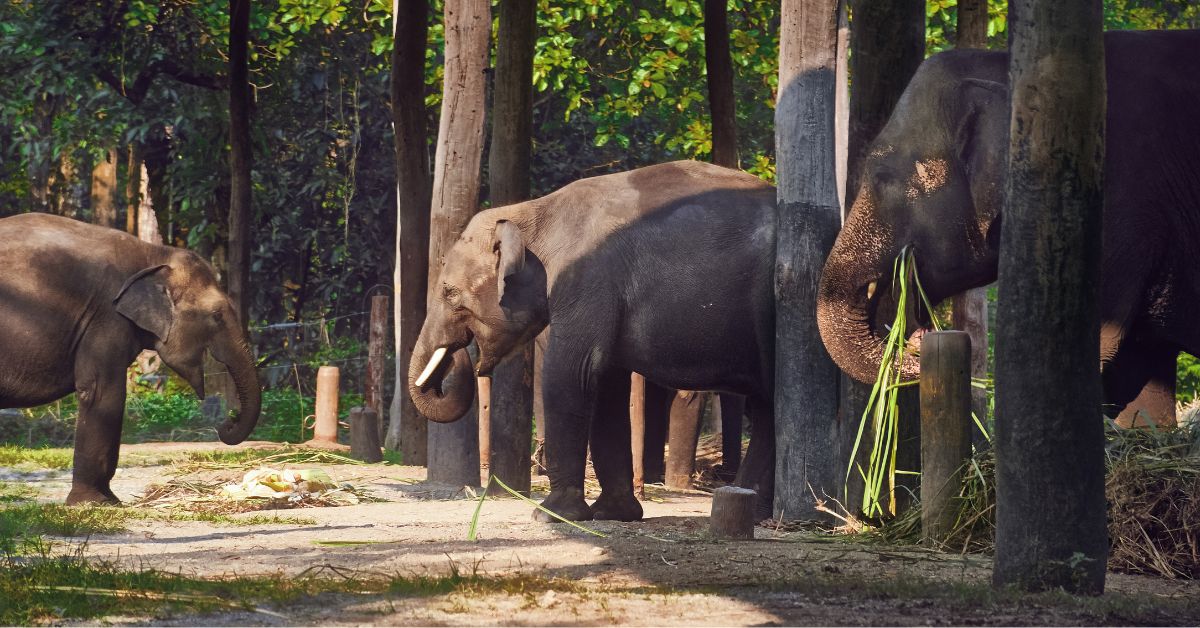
x,y
719,73
407,430
133,184
972,24
456,197
508,171
808,432
238,275
104,190
1050,506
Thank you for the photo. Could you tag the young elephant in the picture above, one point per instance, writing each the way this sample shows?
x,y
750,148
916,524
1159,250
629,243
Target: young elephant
x,y
934,180
79,302
665,270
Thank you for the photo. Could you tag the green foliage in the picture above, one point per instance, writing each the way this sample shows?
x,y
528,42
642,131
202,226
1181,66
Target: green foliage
x,y
1187,377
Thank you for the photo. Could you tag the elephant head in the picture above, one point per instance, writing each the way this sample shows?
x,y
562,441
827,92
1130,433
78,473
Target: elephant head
x,y
491,289
933,181
182,308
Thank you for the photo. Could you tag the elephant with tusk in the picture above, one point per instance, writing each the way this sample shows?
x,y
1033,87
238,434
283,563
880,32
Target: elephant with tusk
x,y
79,302
666,271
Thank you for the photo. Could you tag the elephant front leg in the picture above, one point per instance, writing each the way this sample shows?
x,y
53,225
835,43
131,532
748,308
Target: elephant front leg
x,y
568,407
97,438
612,455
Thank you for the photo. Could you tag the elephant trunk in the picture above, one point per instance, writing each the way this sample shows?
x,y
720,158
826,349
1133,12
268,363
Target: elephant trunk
x,y
849,296
231,349
441,389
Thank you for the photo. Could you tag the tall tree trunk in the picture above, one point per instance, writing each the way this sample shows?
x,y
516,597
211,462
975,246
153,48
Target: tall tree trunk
x,y
240,211
887,43
1050,507
454,447
972,24
406,428
508,170
719,70
41,161
133,184
104,190
971,307
808,432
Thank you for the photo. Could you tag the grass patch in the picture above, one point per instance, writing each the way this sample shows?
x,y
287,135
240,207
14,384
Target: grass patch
x,y
24,519
16,492
40,458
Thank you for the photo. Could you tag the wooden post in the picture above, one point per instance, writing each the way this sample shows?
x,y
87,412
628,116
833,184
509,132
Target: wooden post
x,y
377,357
733,513
539,408
945,427
686,408
509,426
364,434
325,427
733,408
484,396
637,432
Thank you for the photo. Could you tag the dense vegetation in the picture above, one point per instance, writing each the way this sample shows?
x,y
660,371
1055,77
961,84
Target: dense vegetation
x,y
617,85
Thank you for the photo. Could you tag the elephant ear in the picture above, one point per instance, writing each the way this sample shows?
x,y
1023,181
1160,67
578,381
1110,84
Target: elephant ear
x,y
509,247
144,299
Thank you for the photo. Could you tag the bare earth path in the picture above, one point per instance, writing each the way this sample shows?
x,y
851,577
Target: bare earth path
x,y
664,570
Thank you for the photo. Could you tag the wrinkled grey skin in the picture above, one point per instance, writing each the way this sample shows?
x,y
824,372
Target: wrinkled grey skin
x,y
665,270
79,302
934,180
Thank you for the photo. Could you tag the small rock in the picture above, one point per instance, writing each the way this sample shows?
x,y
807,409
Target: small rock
x,y
548,599
599,551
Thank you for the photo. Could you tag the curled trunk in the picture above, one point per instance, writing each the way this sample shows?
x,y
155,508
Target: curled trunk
x,y
446,393
231,350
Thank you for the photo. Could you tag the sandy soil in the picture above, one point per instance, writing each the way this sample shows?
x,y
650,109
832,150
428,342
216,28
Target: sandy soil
x,y
665,570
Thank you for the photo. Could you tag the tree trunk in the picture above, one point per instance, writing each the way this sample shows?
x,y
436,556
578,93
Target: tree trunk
x,y
407,431
508,170
972,24
104,190
971,307
887,43
1050,506
133,184
808,431
456,197
238,276
719,70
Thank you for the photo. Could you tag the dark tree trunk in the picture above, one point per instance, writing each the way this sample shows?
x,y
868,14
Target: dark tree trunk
x,y
104,190
1050,506
238,277
41,162
508,170
407,431
972,24
133,183
971,307
887,43
719,69
456,197
808,432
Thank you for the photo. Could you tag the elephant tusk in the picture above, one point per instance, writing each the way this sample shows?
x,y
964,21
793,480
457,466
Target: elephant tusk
x,y
434,361
871,290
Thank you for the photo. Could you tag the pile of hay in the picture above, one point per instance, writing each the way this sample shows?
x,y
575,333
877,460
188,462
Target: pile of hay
x,y
1153,492
259,489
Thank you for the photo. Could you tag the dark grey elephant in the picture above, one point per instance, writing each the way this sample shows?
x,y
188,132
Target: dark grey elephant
x,y
665,270
934,180
79,302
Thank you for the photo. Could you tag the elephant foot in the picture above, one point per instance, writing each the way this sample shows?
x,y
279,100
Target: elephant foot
x,y
621,507
91,495
568,504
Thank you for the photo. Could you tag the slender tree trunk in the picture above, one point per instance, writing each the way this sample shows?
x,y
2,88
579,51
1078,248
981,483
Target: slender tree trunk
x,y
240,211
45,107
406,428
508,170
104,190
972,24
719,70
1050,506
132,186
454,447
808,432
971,307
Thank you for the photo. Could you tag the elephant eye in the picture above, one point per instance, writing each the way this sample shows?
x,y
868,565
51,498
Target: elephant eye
x,y
451,295
217,316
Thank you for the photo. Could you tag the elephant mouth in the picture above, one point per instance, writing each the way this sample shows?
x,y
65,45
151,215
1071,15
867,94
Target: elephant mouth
x,y
433,376
881,302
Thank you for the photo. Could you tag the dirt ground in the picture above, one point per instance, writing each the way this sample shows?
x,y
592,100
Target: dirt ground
x,y
664,570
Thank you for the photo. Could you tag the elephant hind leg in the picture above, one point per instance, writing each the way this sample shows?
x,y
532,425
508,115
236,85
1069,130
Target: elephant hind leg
x,y
758,469
1139,383
612,455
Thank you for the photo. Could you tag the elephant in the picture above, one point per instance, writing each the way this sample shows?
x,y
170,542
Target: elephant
x,y
934,180
665,270
79,302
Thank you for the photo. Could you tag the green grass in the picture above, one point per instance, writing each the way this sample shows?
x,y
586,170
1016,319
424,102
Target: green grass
x,y
41,458
16,492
